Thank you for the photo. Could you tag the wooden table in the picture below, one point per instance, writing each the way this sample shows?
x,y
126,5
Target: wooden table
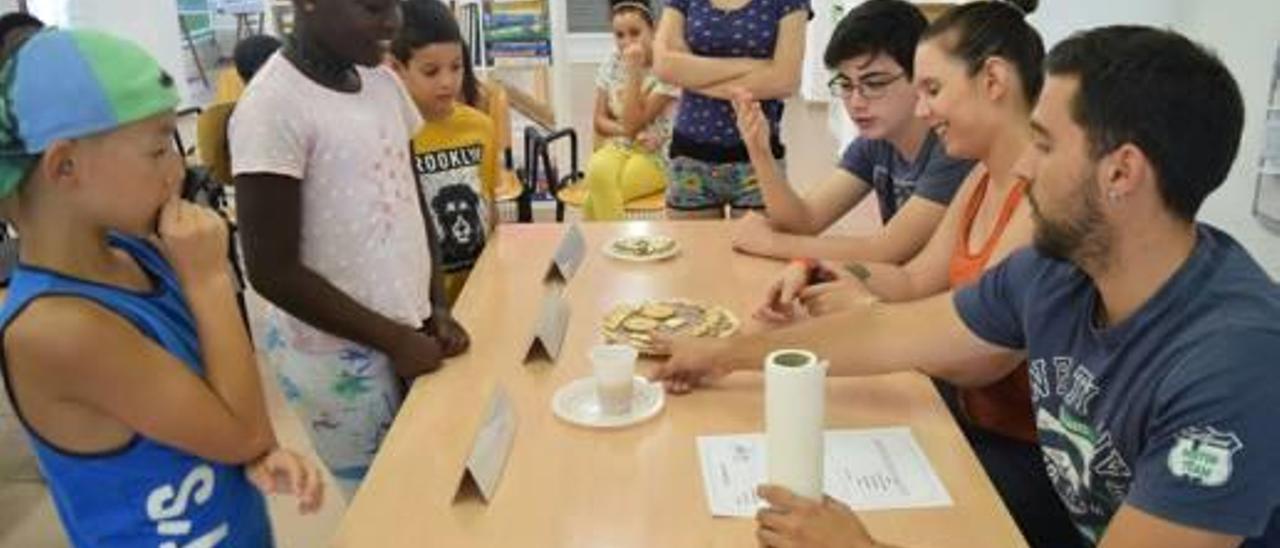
x,y
640,487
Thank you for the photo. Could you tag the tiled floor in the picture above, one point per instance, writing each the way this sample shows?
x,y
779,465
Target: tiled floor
x,y
27,519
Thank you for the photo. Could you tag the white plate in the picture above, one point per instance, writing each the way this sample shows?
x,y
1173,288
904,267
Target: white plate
x,y
610,251
576,403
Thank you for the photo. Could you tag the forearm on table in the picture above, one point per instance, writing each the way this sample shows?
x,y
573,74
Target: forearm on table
x,y
856,343
880,338
861,249
890,282
974,372
787,211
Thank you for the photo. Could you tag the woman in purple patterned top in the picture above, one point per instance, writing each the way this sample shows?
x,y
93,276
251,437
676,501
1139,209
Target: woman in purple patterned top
x,y
713,49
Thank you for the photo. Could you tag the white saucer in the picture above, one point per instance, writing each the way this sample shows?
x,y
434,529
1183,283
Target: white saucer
x,y
576,403
616,254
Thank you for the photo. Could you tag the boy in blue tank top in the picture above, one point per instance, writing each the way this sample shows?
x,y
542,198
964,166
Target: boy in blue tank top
x,y
123,350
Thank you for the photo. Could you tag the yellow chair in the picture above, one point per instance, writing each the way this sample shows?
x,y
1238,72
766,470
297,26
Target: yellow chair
x,y
212,146
498,106
646,207
229,86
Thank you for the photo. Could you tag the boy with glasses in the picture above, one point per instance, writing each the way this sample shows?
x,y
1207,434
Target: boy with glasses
x,y
895,155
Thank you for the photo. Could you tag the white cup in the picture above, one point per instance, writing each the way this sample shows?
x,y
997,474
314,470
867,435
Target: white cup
x,y
614,367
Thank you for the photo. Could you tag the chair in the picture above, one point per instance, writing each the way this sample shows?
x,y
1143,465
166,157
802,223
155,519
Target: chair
x,y
507,189
178,142
645,207
537,161
228,87
212,147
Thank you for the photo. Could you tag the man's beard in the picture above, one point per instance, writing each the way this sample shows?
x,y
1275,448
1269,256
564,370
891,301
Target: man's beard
x,y
1084,239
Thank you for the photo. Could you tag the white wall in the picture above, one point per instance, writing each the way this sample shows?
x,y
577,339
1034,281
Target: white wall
x,y
1245,34
153,24
52,12
1057,19
7,6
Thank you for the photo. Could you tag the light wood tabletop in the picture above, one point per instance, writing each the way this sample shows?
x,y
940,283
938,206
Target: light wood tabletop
x,y
568,487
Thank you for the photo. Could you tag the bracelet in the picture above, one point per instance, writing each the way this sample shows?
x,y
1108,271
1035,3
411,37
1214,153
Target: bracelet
x,y
811,269
808,263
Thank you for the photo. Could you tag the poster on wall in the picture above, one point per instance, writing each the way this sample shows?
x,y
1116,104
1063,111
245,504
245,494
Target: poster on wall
x,y
238,7
1266,201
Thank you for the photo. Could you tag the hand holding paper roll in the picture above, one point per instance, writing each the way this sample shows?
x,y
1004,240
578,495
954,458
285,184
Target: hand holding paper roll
x,y
795,410
792,520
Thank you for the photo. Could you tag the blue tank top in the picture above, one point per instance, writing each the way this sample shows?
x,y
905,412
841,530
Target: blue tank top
x,y
145,493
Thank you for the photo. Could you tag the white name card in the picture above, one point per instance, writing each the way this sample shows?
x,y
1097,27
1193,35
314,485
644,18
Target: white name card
x,y
491,447
549,329
569,255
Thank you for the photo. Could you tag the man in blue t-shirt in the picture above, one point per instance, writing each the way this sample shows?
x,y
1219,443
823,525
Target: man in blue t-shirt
x,y
1151,339
897,155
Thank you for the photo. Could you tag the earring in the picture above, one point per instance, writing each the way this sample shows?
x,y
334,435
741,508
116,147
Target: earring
x,y
309,7
1113,196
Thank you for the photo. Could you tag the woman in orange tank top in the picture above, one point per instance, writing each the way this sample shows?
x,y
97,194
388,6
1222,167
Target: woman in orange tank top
x,y
978,74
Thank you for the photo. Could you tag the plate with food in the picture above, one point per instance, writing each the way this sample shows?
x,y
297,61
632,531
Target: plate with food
x,y
639,324
642,248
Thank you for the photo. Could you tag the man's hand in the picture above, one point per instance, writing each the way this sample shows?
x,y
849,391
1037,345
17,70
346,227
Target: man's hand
x,y
692,362
792,521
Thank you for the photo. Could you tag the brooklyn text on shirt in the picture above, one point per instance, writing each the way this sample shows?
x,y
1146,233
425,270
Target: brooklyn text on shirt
x,y
449,159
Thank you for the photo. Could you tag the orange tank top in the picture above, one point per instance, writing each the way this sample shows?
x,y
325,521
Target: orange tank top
x,y
1003,407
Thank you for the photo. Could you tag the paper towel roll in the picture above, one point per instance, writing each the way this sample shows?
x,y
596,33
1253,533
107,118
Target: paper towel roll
x,y
794,412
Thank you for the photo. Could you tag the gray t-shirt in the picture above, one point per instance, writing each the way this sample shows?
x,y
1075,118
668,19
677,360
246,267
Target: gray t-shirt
x,y
1172,411
931,175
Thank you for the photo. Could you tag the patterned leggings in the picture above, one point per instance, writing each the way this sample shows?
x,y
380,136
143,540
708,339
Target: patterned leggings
x,y
345,394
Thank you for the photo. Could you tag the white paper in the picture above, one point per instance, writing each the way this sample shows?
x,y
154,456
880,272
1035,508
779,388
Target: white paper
x,y
794,404
873,469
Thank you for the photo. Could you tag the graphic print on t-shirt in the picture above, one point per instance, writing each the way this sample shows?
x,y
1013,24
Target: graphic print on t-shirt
x,y
888,189
1084,465
450,180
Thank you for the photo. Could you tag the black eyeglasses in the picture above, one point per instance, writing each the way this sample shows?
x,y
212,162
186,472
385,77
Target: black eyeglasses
x,y
870,88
